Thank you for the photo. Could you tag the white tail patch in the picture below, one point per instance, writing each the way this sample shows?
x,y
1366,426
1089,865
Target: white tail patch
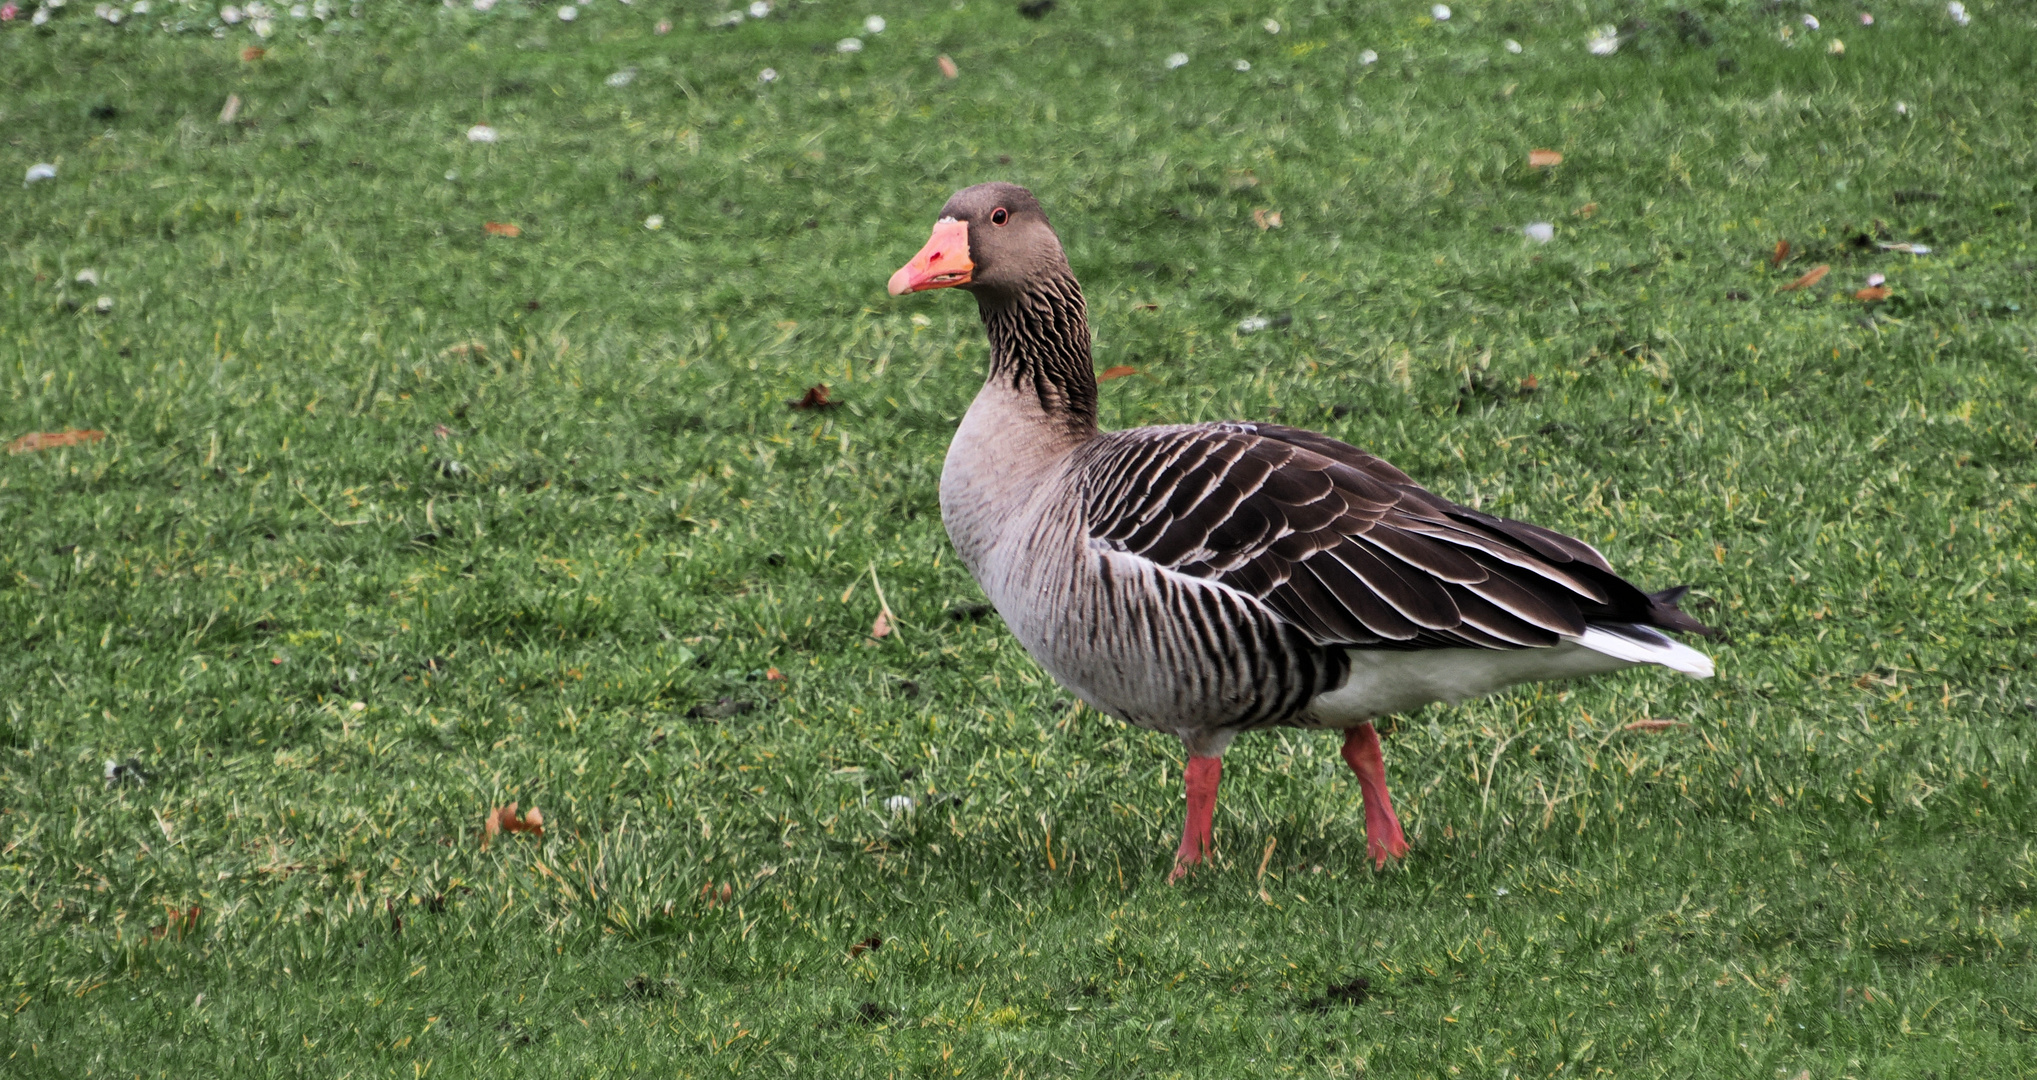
x,y
1640,645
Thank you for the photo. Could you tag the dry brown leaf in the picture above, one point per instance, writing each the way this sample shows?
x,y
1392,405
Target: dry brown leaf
x,y
816,397
1530,384
1811,277
1585,211
714,897
1542,159
1266,219
177,924
1147,307
948,69
253,53
1781,253
500,228
881,629
774,675
50,440
504,819
1872,293
1652,725
869,944
1117,372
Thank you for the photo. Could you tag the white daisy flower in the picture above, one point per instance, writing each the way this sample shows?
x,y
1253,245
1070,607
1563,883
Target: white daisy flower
x,y
1176,60
1441,12
1540,232
622,78
874,24
759,9
654,222
1242,65
1272,26
1368,58
849,45
482,133
1513,46
230,15
569,13
768,75
1605,41
1958,12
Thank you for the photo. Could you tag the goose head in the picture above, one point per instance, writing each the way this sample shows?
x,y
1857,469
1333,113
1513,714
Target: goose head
x,y
991,239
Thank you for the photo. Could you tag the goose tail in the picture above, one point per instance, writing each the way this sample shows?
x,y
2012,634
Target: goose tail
x,y
1645,645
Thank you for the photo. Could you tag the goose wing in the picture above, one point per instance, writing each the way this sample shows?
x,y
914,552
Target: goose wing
x,y
1345,546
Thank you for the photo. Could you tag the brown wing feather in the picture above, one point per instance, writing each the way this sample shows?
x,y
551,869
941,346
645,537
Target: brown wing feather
x,y
1346,546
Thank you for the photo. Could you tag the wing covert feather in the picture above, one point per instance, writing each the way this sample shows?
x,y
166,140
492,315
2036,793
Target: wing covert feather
x,y
1340,543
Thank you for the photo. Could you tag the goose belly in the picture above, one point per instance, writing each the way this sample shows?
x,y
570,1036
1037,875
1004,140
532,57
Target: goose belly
x,y
1157,649
1386,681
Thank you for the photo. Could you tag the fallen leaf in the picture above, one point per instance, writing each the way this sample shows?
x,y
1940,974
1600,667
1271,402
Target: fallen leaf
x,y
1587,210
881,629
1872,293
1542,159
1117,372
1811,277
50,440
1148,307
948,69
1266,219
475,349
714,897
869,944
500,228
1529,385
253,53
176,923
1781,253
774,675
1652,725
816,397
504,819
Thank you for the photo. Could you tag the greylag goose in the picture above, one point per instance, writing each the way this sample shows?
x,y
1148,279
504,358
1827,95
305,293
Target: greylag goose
x,y
1208,579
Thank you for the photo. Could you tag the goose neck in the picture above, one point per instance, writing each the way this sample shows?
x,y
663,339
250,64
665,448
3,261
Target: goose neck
x,y
1039,345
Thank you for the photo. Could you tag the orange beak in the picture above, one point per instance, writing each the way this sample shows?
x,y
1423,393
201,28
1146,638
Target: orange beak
x,y
943,263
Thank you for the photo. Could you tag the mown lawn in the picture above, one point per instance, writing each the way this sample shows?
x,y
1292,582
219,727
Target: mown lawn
x,y
397,520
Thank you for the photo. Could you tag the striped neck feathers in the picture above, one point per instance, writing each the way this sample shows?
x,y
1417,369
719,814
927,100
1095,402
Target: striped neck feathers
x,y
1039,341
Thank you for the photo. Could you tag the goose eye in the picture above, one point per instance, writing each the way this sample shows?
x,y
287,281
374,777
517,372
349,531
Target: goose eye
x,y
999,217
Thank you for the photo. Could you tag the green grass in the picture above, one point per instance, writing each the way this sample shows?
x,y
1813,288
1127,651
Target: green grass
x,y
1833,868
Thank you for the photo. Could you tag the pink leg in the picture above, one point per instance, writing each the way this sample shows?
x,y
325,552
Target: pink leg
x,y
1196,840
1383,839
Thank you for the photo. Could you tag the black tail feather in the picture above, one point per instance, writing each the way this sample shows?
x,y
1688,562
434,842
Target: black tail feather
x,y
1670,617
